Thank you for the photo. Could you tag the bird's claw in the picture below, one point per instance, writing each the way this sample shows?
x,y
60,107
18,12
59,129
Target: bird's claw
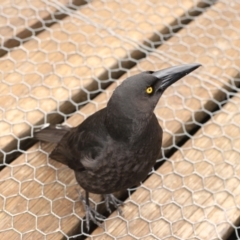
x,y
91,214
110,198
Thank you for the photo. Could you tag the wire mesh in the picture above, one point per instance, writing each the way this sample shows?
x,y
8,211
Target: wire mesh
x,y
56,56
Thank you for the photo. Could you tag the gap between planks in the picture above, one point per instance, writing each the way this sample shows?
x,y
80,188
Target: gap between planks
x,y
170,108
38,83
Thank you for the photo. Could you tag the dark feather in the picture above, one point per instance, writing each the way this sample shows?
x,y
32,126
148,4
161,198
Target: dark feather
x,y
81,146
51,133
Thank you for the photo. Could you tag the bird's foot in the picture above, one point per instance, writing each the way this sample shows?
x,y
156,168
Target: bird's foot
x,y
91,214
110,198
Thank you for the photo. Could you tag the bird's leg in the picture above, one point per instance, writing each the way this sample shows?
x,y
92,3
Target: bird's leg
x,y
110,198
91,214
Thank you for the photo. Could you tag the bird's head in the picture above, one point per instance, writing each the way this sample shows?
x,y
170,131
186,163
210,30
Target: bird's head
x,y
140,93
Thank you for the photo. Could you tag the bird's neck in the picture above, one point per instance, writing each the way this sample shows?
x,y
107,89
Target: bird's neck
x,y
124,123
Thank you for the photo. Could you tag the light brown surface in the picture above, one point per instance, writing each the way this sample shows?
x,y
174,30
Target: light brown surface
x,y
172,109
16,15
59,64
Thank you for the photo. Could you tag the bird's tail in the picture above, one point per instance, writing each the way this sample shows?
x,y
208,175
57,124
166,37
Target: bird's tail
x,y
51,133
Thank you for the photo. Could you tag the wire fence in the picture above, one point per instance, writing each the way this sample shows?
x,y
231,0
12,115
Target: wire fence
x,y
57,56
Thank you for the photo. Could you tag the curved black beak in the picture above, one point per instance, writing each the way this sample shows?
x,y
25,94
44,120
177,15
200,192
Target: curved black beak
x,y
170,75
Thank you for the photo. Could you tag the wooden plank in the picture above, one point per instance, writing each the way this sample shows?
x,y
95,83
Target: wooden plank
x,y
196,193
54,71
21,19
169,107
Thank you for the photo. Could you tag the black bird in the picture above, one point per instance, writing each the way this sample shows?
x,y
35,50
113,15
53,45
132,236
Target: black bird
x,y
116,147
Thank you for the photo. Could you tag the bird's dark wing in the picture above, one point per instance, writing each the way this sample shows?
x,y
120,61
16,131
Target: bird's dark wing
x,y
80,147
51,133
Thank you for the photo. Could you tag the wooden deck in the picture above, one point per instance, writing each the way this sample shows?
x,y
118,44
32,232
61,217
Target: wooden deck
x,y
195,193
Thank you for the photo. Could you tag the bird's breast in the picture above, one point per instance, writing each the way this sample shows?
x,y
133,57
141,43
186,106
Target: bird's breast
x,y
123,164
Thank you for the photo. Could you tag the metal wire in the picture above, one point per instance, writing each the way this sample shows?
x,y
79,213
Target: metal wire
x,y
56,56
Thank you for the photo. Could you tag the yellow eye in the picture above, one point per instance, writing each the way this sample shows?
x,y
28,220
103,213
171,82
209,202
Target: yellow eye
x,y
149,90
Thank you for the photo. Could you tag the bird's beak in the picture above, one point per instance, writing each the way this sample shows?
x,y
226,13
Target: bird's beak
x,y
170,75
